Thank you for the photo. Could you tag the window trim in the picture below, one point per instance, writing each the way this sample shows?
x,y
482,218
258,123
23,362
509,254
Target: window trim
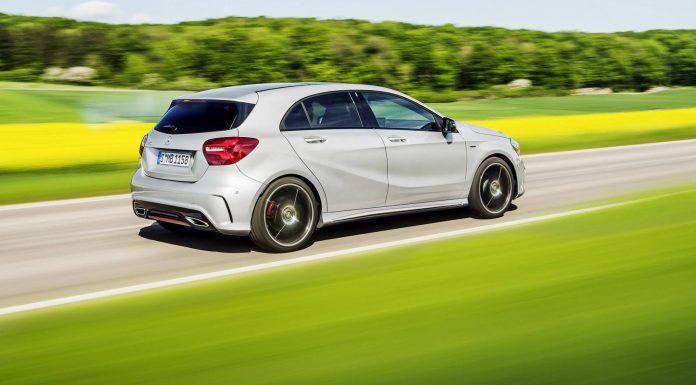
x,y
287,114
365,111
357,109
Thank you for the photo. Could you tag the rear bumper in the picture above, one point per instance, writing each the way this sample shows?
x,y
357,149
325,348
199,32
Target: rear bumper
x,y
223,198
171,214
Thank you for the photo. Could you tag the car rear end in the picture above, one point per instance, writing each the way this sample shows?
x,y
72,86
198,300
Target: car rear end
x,y
188,172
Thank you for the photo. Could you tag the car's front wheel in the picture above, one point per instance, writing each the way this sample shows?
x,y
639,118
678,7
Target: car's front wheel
x,y
492,188
285,216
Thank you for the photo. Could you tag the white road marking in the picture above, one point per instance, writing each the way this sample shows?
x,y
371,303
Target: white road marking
x,y
64,202
600,149
310,258
110,229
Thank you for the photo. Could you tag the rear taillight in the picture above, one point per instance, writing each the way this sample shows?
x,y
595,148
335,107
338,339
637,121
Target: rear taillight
x,y
142,144
222,151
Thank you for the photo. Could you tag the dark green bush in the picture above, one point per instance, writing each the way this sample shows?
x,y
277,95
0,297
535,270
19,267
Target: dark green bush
x,y
436,62
20,75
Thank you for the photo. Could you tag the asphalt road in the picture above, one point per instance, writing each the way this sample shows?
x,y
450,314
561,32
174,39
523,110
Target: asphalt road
x,y
56,250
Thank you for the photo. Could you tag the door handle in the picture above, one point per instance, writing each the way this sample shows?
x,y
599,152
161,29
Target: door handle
x,y
397,139
314,139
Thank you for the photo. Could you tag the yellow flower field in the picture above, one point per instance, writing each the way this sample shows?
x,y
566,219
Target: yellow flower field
x,y
49,145
550,127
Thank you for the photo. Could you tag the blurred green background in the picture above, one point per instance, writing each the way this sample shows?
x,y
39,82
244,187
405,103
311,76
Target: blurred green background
x,y
435,63
83,94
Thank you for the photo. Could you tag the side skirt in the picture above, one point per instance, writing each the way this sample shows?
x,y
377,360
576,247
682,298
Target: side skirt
x,y
331,218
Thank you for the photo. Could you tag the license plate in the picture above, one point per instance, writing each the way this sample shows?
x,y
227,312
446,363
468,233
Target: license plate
x,y
177,159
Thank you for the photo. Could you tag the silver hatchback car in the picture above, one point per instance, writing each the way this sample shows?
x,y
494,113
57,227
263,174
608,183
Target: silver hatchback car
x,y
277,161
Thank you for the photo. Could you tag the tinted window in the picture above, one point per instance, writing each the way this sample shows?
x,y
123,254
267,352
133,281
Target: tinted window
x,y
335,110
194,116
296,119
392,111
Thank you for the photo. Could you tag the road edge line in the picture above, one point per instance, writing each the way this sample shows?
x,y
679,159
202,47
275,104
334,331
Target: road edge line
x,y
599,149
63,202
101,294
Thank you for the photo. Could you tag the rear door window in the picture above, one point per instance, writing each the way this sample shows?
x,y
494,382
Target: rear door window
x,y
196,116
296,119
335,110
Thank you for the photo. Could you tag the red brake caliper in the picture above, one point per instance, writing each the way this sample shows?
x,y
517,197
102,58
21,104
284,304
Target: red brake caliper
x,y
270,209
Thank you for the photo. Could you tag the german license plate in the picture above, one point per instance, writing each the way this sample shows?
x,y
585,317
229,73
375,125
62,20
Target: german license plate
x,y
177,159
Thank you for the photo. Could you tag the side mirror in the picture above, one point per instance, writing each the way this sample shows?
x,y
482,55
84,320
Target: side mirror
x,y
449,125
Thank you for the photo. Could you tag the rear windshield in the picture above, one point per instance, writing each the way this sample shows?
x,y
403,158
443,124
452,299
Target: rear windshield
x,y
195,116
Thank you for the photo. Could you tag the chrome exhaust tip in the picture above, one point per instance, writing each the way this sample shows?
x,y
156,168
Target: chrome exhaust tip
x,y
139,211
197,222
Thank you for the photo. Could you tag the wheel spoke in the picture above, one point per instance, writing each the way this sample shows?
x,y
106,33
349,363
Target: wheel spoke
x,y
485,191
280,231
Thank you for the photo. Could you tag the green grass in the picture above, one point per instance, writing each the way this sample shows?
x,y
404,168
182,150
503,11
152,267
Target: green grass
x,y
567,105
97,105
80,105
72,182
602,298
55,86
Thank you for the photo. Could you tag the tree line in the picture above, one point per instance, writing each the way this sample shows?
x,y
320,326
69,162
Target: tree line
x,y
409,57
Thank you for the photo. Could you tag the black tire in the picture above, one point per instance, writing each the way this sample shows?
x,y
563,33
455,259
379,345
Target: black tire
x,y
285,216
492,189
175,228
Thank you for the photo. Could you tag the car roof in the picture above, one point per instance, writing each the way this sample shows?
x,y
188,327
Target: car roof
x,y
249,93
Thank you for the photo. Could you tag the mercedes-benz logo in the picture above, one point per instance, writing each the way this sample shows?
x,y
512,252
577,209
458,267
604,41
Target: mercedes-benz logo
x,y
168,141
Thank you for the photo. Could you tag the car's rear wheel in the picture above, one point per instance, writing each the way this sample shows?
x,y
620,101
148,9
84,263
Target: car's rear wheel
x,y
492,188
285,216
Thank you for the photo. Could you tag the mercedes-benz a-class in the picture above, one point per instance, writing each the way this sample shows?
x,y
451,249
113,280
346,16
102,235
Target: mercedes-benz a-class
x,y
277,161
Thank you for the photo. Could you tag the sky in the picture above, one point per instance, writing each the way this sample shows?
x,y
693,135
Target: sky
x,y
545,15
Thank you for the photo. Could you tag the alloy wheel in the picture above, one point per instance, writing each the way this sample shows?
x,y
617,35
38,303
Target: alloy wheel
x,y
495,188
289,214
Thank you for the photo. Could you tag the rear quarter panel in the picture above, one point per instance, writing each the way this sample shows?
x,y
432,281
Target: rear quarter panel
x,y
274,157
